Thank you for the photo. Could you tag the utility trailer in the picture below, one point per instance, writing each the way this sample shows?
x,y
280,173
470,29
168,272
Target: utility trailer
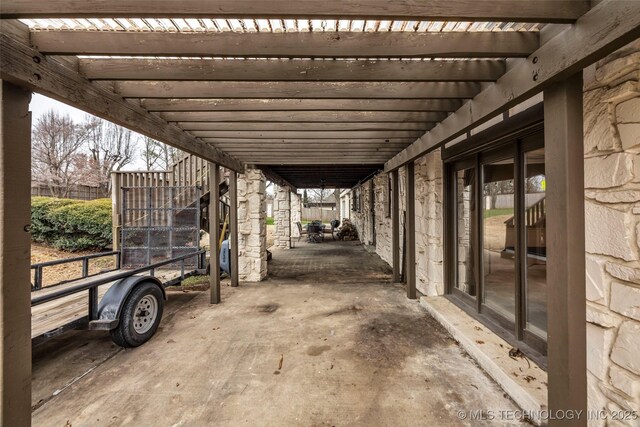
x,y
159,247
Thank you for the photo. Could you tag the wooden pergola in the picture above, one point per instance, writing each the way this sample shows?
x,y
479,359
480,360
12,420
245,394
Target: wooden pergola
x,y
310,91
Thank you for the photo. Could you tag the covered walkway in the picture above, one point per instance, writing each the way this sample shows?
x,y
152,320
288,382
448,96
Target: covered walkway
x,y
331,342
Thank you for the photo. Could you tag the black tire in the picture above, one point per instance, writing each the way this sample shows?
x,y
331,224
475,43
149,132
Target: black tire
x,y
126,335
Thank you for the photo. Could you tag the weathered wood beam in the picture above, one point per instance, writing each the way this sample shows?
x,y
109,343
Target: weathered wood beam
x,y
289,45
289,70
436,10
325,90
274,177
15,307
306,148
26,67
262,127
608,26
410,227
226,104
303,116
233,227
326,159
214,236
395,226
566,307
308,141
317,135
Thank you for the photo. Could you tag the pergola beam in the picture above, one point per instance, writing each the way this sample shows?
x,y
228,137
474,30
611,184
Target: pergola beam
x,y
26,67
324,90
309,143
270,129
605,28
277,179
327,159
289,70
304,135
464,10
289,45
303,116
269,104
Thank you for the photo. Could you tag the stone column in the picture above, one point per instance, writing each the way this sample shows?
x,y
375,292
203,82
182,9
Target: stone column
x,y
282,217
296,214
252,226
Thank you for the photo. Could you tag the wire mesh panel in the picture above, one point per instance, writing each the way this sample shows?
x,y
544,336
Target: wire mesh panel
x,y
160,223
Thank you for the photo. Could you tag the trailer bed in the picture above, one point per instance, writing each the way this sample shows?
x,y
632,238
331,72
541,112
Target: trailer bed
x,y
54,317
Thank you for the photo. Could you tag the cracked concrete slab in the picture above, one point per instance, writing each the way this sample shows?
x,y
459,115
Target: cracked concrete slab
x,y
326,340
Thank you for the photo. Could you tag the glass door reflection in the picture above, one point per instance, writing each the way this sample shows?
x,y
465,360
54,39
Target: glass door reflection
x,y
499,237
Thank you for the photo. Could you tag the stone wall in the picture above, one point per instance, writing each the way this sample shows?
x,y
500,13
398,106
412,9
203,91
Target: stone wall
x,y
252,226
429,223
612,213
296,214
282,217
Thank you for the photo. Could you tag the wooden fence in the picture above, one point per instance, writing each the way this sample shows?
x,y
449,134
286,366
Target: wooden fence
x,y
80,192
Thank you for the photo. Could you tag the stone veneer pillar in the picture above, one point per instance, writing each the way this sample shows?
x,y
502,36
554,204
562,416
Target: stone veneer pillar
x,y
296,214
612,232
282,217
252,226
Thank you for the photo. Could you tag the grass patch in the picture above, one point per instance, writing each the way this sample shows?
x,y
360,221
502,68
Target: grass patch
x,y
195,281
496,212
269,220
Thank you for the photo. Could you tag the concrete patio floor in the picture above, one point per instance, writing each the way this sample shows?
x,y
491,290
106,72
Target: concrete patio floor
x,y
326,340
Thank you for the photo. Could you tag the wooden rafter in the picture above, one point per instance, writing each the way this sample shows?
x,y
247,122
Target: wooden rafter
x,y
287,45
304,116
464,10
605,28
310,143
263,127
290,70
327,90
259,104
319,134
25,66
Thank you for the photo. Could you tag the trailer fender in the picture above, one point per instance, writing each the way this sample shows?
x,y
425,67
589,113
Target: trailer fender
x,y
110,306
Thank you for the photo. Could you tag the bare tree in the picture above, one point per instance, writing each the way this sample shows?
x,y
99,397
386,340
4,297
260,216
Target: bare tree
x,y
57,141
110,147
316,195
159,155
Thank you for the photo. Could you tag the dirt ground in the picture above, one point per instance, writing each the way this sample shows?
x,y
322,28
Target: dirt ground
x,y
57,273
311,346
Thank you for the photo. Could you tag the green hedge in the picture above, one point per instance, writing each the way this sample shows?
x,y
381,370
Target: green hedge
x,y
71,225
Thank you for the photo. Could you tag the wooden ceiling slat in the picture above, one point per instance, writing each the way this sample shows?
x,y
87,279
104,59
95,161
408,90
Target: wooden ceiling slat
x,y
289,45
318,135
608,26
326,90
289,70
304,116
278,142
437,10
266,128
225,104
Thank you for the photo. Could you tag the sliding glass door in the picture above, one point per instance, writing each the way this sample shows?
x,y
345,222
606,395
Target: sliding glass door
x,y
497,235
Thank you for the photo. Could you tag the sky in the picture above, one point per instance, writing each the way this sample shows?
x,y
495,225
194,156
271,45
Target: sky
x,y
41,104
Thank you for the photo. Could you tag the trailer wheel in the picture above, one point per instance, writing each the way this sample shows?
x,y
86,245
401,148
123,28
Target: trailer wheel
x,y
140,316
